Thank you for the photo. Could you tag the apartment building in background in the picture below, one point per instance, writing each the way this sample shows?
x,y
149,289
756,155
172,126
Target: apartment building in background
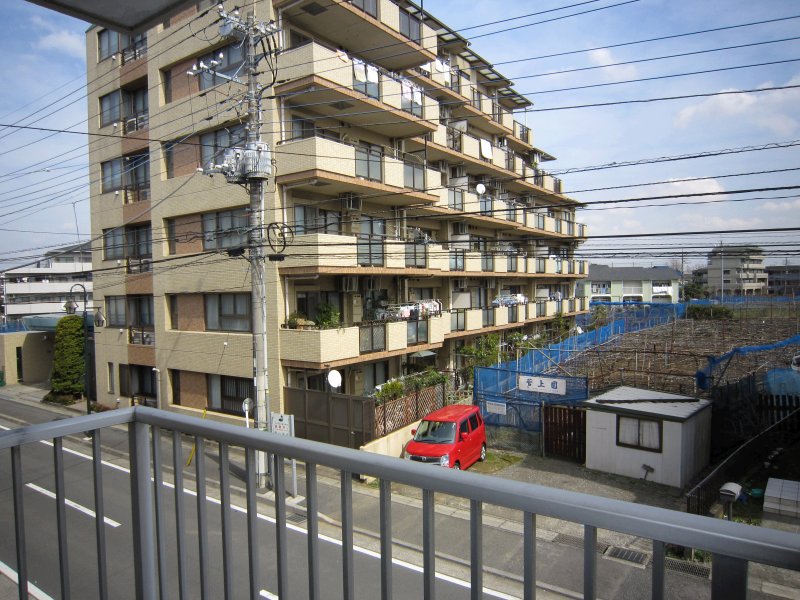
x,y
736,271
42,287
632,284
414,196
783,280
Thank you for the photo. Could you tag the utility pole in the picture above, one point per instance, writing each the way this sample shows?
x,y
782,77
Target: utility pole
x,y
252,166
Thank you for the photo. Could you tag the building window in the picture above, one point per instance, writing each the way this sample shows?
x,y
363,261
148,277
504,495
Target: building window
x,y
369,161
110,371
368,6
114,243
228,312
115,311
229,61
302,128
414,174
110,108
643,434
108,43
140,311
214,143
410,26
225,229
370,242
138,242
309,219
111,175
225,394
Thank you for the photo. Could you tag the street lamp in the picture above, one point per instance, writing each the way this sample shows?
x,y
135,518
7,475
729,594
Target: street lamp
x,y
72,307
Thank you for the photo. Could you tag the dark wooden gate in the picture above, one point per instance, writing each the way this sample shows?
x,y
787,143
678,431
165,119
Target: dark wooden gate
x,y
564,429
338,419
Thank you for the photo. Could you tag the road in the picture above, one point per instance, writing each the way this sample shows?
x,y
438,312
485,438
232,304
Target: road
x,y
559,563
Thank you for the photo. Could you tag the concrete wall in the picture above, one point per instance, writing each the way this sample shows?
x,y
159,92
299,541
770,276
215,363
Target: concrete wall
x,y
37,356
390,445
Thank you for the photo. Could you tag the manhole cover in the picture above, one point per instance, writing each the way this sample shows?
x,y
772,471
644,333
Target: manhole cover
x,y
689,568
634,556
577,542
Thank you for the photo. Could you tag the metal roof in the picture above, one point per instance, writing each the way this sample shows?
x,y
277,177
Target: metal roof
x,y
631,400
122,15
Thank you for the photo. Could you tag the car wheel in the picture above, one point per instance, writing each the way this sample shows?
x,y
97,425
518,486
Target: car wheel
x,y
483,453
457,466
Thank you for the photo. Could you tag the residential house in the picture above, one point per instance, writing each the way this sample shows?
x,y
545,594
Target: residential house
x,y
632,284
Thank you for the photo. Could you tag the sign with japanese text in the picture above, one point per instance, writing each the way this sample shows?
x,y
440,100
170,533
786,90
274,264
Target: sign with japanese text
x,y
496,408
543,385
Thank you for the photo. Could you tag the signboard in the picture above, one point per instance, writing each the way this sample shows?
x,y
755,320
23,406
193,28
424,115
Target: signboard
x,y
282,424
542,385
496,408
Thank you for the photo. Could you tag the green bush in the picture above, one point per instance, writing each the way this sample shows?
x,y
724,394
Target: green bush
x,y
68,362
391,390
327,317
714,312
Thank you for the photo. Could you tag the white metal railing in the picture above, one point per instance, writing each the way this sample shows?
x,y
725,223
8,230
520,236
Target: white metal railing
x,y
156,522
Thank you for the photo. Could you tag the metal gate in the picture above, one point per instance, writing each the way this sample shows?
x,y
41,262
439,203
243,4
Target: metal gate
x,y
564,429
338,419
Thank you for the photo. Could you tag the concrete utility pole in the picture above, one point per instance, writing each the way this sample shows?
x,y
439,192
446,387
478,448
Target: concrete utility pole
x,y
252,166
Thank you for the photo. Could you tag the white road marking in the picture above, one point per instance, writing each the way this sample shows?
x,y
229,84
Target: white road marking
x,y
268,595
32,589
334,541
71,504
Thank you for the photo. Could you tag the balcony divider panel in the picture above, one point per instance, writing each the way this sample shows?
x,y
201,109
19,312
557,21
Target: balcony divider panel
x,y
202,514
386,538
348,573
252,521
312,531
282,565
225,518
61,517
19,522
180,516
158,490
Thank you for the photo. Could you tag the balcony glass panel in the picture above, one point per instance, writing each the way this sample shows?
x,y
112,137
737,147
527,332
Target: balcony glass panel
x,y
487,262
417,332
369,161
368,6
372,337
455,199
416,255
458,320
487,317
457,260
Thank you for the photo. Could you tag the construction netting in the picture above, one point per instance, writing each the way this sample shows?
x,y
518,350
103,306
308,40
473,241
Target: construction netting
x,y
717,365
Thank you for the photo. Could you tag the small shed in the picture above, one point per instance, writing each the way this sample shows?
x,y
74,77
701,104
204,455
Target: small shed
x,y
648,435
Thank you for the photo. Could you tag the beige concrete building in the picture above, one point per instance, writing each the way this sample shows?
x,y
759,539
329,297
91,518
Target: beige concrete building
x,y
414,196
737,271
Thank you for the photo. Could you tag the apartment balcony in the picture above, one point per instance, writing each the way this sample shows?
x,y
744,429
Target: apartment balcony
x,y
142,336
371,29
160,494
322,165
357,93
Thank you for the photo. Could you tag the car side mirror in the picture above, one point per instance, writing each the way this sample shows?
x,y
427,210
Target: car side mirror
x,y
413,432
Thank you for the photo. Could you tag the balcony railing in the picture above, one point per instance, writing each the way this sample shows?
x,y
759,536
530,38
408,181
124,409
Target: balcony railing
x,y
154,441
136,193
138,265
487,317
417,332
136,122
135,52
458,319
371,338
143,336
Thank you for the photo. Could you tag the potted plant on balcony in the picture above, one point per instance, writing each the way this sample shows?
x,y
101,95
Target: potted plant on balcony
x,y
327,316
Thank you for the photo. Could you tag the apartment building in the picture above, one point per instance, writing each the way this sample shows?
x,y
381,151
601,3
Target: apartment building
x,y
44,286
783,280
736,271
413,195
632,284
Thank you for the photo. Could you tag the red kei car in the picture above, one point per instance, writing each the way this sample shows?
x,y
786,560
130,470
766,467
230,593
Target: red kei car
x,y
453,436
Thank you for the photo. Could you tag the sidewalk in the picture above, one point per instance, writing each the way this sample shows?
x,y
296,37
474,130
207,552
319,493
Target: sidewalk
x,y
533,469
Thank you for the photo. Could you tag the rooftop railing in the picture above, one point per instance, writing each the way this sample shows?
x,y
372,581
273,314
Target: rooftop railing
x,y
156,520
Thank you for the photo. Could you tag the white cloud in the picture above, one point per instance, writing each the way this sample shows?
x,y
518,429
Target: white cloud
x,y
603,56
51,37
784,206
774,111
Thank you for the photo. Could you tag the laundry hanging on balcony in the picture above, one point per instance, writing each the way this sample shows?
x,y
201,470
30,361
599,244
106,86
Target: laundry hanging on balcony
x,y
486,149
359,70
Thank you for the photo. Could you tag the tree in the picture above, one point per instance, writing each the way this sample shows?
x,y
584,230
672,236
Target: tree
x,y
482,353
68,361
693,290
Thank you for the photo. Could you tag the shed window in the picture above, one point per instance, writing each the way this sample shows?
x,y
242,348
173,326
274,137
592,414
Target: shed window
x,y
644,434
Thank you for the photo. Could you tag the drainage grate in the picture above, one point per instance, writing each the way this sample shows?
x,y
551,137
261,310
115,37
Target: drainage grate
x,y
634,556
577,542
295,518
688,568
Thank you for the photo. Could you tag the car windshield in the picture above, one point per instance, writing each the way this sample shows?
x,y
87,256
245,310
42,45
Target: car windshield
x,y
436,432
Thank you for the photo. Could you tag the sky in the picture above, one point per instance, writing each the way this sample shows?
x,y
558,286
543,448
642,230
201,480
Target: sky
x,y
43,180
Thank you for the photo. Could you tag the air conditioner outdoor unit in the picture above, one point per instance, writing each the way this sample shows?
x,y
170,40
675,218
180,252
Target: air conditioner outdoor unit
x,y
460,228
350,201
348,283
460,283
